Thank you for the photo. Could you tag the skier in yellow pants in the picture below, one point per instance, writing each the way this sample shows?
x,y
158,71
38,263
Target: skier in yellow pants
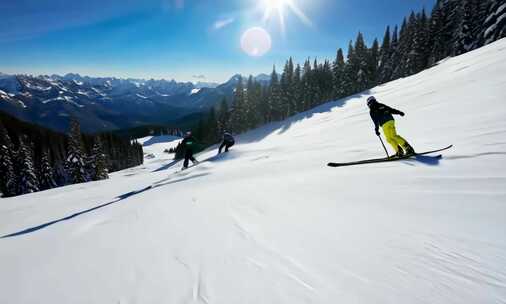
x,y
382,116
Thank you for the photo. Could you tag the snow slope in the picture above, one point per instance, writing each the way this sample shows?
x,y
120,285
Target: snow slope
x,y
270,223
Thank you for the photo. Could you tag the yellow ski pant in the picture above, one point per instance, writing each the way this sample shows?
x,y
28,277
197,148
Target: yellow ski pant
x,y
394,139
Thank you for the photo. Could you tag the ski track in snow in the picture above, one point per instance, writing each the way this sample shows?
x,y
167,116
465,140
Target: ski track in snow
x,y
270,223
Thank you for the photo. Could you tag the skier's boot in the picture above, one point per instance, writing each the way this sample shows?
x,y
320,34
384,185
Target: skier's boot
x,y
409,150
400,152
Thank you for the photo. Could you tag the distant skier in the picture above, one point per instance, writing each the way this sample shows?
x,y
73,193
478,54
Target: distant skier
x,y
228,141
382,116
189,144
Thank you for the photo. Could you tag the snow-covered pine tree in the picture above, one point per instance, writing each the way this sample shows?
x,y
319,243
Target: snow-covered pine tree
x,y
423,46
373,63
351,70
238,109
46,173
287,107
479,15
212,135
495,24
297,88
27,181
316,90
74,163
395,56
338,70
403,50
8,176
255,102
306,86
360,62
385,70
414,49
327,81
99,161
437,36
223,116
250,116
275,108
464,35
452,16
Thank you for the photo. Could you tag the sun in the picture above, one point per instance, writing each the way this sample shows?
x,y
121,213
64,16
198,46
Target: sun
x,y
277,7
275,4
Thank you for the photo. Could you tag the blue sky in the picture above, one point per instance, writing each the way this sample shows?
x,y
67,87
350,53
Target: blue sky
x,y
186,40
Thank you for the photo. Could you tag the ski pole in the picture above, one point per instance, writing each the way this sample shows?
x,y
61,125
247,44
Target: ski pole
x,y
385,148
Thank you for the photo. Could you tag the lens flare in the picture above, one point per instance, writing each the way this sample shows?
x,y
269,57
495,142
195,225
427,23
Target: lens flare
x,y
256,42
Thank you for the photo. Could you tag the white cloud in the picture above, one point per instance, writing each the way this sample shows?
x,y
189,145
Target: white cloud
x,y
218,25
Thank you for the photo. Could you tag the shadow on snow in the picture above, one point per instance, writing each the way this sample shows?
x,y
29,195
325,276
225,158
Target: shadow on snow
x,y
117,200
429,160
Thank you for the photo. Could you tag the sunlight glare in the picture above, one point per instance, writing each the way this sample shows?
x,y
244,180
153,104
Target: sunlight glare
x,y
277,7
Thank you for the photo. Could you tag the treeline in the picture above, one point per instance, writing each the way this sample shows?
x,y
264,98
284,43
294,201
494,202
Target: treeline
x,y
453,28
148,130
33,158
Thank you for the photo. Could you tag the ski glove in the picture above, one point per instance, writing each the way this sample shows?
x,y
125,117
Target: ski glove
x,y
402,114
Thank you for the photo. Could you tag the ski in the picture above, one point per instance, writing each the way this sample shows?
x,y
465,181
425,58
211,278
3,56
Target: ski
x,y
389,159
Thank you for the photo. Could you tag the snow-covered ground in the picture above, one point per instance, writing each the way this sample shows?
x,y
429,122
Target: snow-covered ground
x,y
270,223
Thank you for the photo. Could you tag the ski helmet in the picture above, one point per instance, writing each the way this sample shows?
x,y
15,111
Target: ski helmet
x,y
371,100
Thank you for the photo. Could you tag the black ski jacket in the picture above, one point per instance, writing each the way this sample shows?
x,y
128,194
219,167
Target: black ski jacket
x,y
189,143
381,113
228,138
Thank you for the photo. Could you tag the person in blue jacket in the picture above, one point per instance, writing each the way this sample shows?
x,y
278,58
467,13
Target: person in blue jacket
x,y
228,141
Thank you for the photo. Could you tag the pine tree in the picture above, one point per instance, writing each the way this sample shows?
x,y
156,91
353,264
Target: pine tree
x,y
339,69
275,108
255,100
8,176
287,106
327,81
212,135
479,16
46,175
360,64
223,116
350,85
437,35
422,48
395,56
403,50
238,110
495,24
414,48
316,90
373,64
98,160
75,165
251,101
297,89
27,179
385,70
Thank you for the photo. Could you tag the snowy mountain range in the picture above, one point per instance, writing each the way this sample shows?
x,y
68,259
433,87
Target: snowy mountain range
x,y
107,103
